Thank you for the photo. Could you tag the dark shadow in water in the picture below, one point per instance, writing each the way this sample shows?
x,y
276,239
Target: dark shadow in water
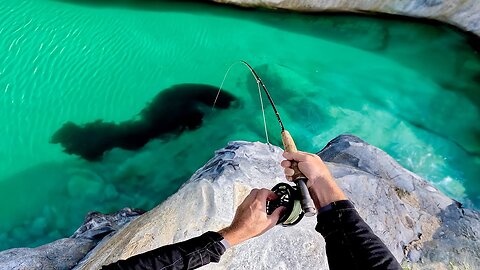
x,y
174,110
345,28
477,78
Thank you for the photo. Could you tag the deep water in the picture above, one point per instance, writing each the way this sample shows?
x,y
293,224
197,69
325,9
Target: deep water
x,y
408,87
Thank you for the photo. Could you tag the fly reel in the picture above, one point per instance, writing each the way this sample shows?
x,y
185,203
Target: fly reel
x,y
288,197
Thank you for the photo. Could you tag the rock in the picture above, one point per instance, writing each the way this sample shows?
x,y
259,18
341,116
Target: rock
x,y
423,228
61,254
463,14
67,252
207,202
434,231
414,255
97,225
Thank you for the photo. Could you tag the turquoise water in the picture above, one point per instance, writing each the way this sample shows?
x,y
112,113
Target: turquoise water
x,y
410,88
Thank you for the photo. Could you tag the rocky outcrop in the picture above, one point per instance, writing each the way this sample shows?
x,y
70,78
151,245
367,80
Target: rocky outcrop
x,y
464,14
67,252
433,231
422,227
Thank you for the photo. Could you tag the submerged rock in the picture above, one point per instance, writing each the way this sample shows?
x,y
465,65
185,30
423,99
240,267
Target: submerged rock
x,y
67,252
422,227
463,14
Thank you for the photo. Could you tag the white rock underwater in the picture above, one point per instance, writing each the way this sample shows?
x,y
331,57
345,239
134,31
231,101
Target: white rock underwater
x,y
463,14
422,227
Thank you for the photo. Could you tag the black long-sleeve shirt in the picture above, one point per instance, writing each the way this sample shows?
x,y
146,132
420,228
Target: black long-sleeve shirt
x,y
189,254
350,244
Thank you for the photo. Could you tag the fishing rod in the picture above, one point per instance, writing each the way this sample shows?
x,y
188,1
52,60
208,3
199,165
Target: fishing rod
x,y
298,177
259,81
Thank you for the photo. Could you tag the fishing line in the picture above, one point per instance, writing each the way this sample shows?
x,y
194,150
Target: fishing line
x,y
297,199
259,83
221,85
263,111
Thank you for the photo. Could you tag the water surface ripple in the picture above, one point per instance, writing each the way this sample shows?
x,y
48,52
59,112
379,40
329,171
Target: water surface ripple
x,y
409,88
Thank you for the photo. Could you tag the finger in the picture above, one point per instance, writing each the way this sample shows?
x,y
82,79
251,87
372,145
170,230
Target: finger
x,y
289,172
263,194
309,183
272,196
297,156
251,197
286,164
275,216
253,192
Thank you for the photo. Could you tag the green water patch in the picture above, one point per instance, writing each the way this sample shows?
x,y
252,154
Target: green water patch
x,y
406,87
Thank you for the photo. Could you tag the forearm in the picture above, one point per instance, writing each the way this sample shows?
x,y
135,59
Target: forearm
x,y
350,242
189,254
325,191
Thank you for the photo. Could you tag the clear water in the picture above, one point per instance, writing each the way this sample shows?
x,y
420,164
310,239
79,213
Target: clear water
x,y
410,88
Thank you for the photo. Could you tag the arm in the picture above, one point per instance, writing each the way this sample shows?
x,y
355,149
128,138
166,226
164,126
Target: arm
x,y
350,243
189,254
250,221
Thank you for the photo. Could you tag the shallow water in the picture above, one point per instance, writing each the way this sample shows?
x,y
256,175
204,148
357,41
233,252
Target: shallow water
x,y
410,88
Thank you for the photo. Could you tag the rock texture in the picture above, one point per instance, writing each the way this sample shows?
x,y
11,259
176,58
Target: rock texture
x,y
423,228
67,252
432,230
464,14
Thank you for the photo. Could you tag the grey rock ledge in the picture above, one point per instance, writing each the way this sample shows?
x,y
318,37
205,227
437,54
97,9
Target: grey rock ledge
x,y
423,228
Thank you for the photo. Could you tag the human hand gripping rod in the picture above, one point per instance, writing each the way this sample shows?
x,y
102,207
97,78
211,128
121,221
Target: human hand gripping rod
x,y
298,178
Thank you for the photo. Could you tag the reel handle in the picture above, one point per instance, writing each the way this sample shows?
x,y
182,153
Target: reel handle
x,y
298,177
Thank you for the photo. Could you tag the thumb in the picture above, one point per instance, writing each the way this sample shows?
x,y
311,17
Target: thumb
x,y
275,216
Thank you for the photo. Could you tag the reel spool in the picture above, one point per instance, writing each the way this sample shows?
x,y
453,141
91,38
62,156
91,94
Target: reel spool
x,y
289,197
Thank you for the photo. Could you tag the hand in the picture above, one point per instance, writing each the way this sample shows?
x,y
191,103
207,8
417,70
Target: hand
x,y
251,217
310,165
322,186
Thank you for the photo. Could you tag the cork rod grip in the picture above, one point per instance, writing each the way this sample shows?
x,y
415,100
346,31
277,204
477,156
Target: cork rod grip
x,y
290,146
298,177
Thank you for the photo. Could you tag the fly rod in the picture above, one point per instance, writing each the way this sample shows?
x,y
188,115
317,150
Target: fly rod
x,y
298,177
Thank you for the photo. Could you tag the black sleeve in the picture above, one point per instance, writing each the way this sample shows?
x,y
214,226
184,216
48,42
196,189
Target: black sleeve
x,y
350,242
189,254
